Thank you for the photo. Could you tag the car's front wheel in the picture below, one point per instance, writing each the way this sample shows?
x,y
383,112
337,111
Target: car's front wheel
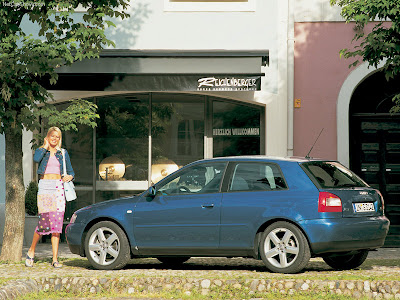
x,y
106,246
284,248
346,262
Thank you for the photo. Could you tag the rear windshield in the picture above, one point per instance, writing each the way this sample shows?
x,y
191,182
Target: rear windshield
x,y
332,175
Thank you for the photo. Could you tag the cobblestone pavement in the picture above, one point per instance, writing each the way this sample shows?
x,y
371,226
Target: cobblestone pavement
x,y
195,267
44,250
378,278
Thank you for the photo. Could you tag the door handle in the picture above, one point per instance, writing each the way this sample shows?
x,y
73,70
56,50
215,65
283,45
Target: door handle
x,y
207,206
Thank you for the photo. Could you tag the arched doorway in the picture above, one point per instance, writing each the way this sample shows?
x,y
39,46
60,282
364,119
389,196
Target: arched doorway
x,y
374,143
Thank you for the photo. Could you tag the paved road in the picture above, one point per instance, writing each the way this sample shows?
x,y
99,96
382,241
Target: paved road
x,y
150,273
44,250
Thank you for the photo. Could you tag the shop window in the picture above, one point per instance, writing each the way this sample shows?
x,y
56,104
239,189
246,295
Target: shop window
x,y
187,130
121,138
177,132
236,129
209,5
112,160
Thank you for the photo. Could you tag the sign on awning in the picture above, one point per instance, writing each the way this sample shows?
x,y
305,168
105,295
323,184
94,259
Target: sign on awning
x,y
229,83
156,82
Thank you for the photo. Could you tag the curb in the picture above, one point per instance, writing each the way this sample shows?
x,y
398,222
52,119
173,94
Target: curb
x,y
17,288
189,286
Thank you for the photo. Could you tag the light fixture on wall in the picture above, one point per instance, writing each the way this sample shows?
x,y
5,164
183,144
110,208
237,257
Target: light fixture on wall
x,y
111,168
161,169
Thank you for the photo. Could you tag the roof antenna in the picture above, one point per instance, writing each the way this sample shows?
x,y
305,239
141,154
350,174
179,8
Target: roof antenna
x,y
308,154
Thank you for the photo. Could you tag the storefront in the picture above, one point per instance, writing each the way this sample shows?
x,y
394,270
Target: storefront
x,y
151,124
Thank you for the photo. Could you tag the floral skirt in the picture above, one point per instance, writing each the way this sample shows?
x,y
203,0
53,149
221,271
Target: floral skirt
x,y
51,206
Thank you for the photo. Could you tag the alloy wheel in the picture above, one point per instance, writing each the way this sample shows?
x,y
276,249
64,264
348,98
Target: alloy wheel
x,y
104,246
281,247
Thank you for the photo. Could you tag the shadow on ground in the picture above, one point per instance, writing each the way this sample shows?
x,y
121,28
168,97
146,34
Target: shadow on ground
x,y
231,264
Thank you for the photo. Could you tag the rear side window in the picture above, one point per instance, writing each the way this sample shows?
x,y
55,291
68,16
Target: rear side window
x,y
256,177
332,175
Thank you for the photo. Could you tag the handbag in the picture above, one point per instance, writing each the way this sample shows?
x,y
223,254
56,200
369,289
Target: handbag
x,y
69,188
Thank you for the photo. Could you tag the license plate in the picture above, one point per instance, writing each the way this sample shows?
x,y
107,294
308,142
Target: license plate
x,y
363,207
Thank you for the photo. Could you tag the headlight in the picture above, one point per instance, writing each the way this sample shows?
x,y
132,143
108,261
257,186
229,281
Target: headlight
x,y
73,218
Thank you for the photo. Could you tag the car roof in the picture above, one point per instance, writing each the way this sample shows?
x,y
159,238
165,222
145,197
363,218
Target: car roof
x,y
262,158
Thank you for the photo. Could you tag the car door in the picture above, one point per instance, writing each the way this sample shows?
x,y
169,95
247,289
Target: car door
x,y
255,190
184,216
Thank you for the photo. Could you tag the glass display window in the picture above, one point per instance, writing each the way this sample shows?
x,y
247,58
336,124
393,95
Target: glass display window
x,y
236,129
177,132
141,138
122,138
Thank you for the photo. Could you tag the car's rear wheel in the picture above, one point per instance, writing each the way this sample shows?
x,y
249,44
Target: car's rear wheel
x,y
347,262
106,246
284,248
172,261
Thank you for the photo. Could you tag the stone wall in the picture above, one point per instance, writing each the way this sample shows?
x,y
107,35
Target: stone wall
x,y
203,286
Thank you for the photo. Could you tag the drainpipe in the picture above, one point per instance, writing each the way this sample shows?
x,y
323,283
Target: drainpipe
x,y
290,76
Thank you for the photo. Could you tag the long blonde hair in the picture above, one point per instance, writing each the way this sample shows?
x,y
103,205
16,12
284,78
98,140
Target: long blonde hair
x,y
58,130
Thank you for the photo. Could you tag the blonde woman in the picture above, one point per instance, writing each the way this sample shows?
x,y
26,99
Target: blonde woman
x,y
51,198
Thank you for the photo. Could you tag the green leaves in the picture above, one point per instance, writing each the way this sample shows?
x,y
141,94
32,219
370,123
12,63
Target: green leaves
x,y
62,37
5,92
78,112
396,108
379,45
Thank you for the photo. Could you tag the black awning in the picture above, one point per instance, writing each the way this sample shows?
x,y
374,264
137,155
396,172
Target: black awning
x,y
165,70
157,82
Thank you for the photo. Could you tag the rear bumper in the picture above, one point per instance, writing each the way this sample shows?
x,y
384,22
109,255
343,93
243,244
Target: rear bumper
x,y
345,234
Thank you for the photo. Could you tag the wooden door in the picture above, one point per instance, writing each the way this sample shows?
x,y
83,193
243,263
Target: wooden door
x,y
375,157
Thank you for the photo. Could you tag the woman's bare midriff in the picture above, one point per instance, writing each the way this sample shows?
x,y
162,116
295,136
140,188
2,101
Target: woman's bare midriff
x,y
50,176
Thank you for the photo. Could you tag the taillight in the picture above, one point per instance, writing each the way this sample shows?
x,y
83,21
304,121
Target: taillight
x,y
328,202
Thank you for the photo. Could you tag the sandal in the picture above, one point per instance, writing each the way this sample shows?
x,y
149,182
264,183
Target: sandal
x,y
29,261
56,265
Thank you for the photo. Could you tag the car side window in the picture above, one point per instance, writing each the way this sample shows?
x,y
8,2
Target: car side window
x,y
198,179
257,177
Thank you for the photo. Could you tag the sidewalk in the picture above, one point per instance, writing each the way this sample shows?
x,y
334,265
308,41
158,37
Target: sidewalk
x,y
44,250
377,278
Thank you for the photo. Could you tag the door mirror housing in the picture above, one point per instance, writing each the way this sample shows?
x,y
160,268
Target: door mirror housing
x,y
151,192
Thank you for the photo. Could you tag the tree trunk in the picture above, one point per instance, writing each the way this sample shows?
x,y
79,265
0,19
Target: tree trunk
x,y
15,200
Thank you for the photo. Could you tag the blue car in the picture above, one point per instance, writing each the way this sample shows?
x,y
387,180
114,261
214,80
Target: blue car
x,y
281,210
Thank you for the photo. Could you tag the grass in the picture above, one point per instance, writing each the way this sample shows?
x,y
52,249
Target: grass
x,y
316,270
371,270
220,293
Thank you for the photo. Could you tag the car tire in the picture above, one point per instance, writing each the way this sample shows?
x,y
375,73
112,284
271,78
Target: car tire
x,y
284,248
346,262
106,246
172,261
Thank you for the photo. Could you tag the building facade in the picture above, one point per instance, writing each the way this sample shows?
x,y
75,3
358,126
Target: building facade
x,y
187,80
193,79
349,105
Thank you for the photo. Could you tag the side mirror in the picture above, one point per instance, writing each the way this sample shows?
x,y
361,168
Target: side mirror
x,y
151,192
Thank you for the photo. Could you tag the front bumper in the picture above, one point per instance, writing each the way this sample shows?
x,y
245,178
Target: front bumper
x,y
345,234
74,236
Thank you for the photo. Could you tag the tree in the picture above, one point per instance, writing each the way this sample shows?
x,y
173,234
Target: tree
x,y
382,43
26,60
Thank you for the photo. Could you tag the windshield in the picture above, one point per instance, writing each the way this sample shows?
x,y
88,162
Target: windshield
x,y
332,175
